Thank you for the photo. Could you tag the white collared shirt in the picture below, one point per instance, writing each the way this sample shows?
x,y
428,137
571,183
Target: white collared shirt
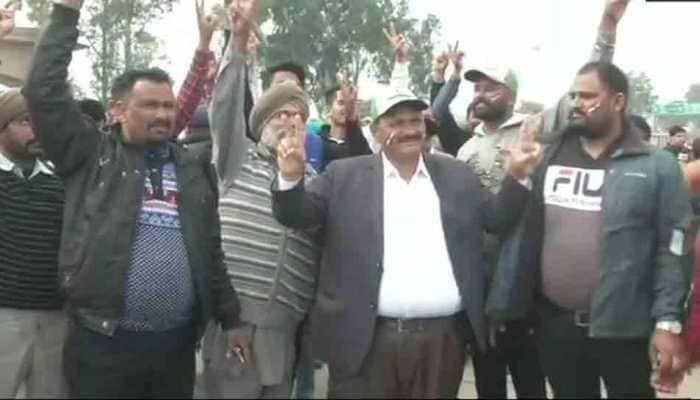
x,y
418,279
39,167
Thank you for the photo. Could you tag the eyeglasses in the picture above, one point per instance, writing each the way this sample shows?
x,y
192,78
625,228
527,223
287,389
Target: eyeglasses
x,y
22,121
287,114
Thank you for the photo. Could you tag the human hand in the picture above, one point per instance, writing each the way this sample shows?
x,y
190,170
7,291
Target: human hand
x,y
240,343
348,92
669,359
398,42
440,63
7,20
522,159
615,10
456,57
206,24
243,16
291,155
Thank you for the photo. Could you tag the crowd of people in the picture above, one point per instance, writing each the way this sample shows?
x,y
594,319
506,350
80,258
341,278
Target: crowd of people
x,y
222,225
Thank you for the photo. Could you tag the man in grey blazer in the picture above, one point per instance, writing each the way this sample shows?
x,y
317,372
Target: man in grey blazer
x,y
401,286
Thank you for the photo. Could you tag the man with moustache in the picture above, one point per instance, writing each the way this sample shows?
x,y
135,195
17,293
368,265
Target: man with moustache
x,y
273,268
140,262
495,94
401,285
605,236
32,324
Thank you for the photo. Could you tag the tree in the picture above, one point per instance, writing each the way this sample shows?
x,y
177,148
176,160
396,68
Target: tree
x,y
116,34
642,95
345,36
693,93
39,10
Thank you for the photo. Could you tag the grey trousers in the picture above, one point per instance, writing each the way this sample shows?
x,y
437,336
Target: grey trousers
x,y
31,353
267,376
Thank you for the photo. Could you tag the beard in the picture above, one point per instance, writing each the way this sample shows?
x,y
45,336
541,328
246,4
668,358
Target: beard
x,y
488,112
581,127
271,138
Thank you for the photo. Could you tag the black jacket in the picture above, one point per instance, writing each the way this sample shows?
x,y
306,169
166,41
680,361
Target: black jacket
x,y
104,181
355,144
347,202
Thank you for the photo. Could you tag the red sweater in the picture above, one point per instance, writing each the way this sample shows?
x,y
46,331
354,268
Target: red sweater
x,y
692,333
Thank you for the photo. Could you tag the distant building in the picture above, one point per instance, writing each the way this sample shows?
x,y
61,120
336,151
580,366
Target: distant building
x,y
15,56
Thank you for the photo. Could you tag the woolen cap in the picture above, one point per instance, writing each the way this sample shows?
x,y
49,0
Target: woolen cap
x,y
12,105
271,101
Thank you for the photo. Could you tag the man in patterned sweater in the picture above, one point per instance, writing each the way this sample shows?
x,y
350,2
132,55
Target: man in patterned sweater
x,y
273,268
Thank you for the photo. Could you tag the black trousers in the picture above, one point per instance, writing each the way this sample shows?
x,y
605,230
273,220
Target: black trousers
x,y
130,364
575,363
516,352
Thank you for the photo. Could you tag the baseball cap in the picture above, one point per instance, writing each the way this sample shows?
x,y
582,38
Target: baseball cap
x,y
503,75
383,104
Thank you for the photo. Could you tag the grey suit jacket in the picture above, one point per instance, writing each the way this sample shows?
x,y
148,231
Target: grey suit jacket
x,y
347,202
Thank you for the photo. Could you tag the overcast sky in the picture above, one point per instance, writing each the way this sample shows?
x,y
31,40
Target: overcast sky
x,y
545,41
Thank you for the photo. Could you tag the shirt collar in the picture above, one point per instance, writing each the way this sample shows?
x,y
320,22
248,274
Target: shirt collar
x,y
515,120
391,172
40,167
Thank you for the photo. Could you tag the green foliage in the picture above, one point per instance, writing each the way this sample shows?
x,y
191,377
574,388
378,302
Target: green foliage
x,y
642,95
118,40
346,36
693,93
38,10
116,35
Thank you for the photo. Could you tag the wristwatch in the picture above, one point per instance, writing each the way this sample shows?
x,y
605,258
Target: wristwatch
x,y
674,327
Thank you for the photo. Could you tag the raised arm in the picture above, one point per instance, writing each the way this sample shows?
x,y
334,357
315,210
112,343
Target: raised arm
x,y
7,21
556,118
63,132
400,77
357,144
451,135
228,118
440,63
192,90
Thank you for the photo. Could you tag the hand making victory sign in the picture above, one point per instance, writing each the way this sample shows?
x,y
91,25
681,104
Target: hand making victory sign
x,y
522,158
206,24
398,42
291,156
7,20
456,57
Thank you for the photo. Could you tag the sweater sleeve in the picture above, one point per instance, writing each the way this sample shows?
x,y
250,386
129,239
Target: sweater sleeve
x,y
228,118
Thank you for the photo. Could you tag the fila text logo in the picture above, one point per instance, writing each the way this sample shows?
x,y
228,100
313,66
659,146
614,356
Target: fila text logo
x,y
574,188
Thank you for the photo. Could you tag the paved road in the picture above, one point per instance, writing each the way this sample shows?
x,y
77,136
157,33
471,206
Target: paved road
x,y
690,389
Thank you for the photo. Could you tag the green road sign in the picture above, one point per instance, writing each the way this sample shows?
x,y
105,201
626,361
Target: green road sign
x,y
677,108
